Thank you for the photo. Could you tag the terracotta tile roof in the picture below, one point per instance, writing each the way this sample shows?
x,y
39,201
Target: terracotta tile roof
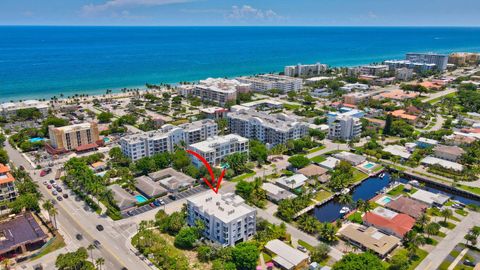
x,y
4,168
6,178
400,224
86,147
402,114
407,206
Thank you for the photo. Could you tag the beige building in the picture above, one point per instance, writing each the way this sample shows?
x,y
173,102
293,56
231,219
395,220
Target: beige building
x,y
77,137
462,59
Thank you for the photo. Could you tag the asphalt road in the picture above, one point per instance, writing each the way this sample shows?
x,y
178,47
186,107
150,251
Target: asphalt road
x,y
74,218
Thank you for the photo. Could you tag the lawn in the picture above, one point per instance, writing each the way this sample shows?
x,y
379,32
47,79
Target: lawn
x,y
397,190
266,257
322,195
461,212
475,190
313,150
57,243
359,176
447,225
291,107
421,254
356,217
306,245
242,177
318,159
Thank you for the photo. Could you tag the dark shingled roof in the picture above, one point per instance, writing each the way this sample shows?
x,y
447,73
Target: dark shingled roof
x,y
23,229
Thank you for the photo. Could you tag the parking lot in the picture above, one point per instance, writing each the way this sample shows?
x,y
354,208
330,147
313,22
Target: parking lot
x,y
166,200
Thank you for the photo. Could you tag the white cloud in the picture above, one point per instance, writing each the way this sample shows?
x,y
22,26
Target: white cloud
x,y
247,12
92,9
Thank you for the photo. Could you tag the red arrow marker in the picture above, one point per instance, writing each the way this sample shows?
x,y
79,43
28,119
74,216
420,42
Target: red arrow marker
x,y
209,168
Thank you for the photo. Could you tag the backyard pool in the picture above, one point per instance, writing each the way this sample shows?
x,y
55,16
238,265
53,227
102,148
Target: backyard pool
x,y
369,165
36,139
140,199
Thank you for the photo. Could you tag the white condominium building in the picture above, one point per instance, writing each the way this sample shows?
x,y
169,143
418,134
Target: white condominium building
x,y
217,90
199,130
215,149
345,128
227,219
440,60
146,144
305,70
271,81
10,108
267,128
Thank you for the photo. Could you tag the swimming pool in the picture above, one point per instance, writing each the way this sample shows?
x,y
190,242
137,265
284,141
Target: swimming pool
x,y
386,200
36,139
368,166
140,198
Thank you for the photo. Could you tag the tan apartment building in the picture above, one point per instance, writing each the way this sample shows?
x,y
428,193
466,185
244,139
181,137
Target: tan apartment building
x,y
79,137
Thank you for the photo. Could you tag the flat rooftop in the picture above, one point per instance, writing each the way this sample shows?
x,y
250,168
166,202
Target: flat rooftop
x,y
280,122
226,207
209,144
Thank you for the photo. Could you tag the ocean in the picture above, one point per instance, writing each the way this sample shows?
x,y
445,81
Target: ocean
x,y
42,61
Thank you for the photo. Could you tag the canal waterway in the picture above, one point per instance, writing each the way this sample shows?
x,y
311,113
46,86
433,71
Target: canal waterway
x,y
368,189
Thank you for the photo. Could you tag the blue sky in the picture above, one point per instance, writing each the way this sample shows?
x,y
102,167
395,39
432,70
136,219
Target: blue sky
x,y
228,12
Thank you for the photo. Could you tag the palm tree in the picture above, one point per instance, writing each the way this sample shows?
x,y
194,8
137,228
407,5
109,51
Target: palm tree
x,y
53,213
423,220
432,229
90,248
100,261
345,199
365,207
48,205
446,213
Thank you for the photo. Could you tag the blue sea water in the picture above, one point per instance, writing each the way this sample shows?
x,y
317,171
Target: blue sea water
x,y
39,62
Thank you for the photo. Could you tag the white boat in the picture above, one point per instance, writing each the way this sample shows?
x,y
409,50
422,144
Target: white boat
x,y
381,175
414,183
345,191
344,210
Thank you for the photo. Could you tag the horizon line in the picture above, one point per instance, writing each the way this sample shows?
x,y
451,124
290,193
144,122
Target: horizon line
x,y
273,26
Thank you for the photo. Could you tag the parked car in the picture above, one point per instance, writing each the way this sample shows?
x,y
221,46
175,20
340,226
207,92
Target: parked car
x,y
469,263
45,171
59,198
59,189
52,181
152,205
302,249
79,237
54,193
99,227
162,202
45,183
65,195
156,203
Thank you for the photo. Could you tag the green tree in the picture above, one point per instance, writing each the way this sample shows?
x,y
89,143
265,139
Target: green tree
x,y
104,117
399,262
328,232
320,252
360,261
237,162
186,237
299,161
446,214
432,228
258,151
245,255
74,260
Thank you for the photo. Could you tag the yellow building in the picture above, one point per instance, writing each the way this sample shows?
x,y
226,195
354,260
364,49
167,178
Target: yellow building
x,y
79,137
462,59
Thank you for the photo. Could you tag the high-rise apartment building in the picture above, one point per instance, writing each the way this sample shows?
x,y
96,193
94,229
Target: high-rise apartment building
x,y
77,137
215,149
305,70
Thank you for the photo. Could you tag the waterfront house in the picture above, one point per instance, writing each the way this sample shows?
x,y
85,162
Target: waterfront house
x,y
369,238
432,199
292,182
425,142
450,153
388,221
429,160
407,206
351,158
